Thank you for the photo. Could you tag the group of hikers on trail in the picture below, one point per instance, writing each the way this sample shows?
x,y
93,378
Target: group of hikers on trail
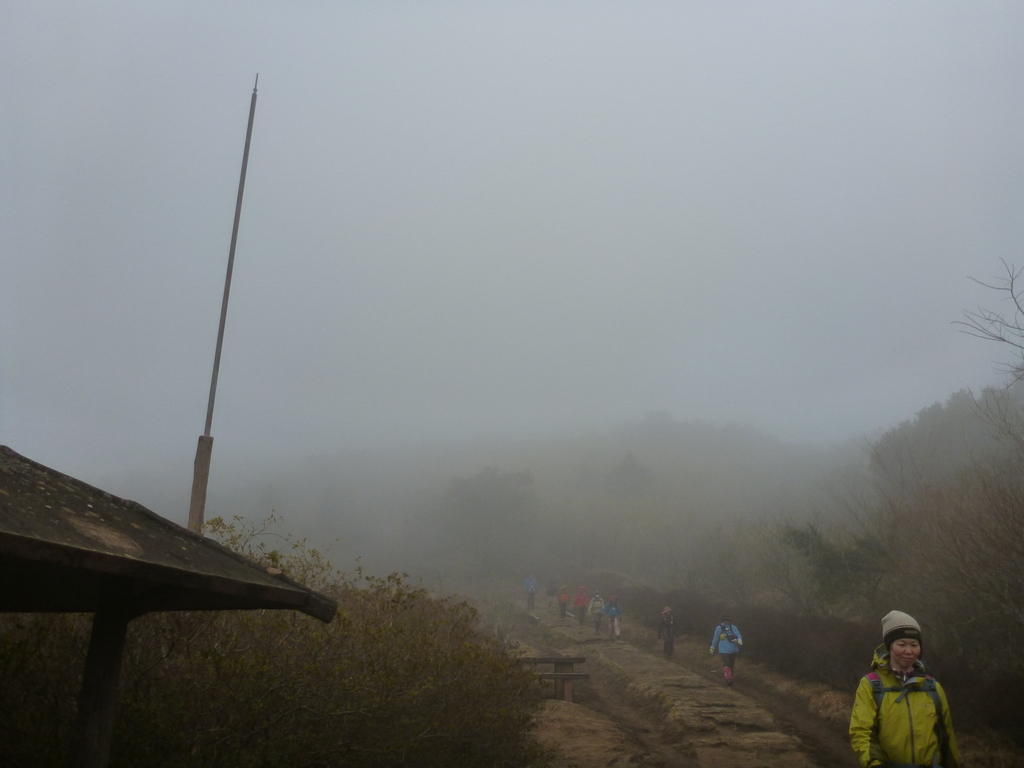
x,y
725,640
583,606
596,608
900,716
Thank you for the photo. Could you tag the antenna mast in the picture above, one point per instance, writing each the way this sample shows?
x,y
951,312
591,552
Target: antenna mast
x,y
204,452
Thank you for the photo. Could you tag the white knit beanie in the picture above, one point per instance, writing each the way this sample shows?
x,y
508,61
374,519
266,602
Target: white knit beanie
x,y
897,625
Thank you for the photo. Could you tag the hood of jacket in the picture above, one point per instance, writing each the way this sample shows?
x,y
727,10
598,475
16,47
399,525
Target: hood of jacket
x,y
880,663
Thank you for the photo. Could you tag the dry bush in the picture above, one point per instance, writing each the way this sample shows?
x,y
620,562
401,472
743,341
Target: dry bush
x,y
41,659
990,750
833,706
398,678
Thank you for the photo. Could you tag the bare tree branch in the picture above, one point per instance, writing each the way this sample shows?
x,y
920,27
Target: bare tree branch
x,y
990,325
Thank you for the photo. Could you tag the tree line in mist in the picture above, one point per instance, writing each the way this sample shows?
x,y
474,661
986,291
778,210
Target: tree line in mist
x,y
927,516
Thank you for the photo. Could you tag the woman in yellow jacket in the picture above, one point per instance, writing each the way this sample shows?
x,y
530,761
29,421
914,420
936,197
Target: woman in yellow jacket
x,y
900,716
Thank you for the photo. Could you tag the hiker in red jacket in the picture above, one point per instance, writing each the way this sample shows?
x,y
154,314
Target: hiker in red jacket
x,y
580,604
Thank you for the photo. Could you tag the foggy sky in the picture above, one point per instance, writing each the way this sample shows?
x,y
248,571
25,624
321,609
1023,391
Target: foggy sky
x,y
480,219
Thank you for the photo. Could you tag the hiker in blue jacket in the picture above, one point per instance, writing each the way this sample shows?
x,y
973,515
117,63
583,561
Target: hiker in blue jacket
x,y
530,585
726,641
614,613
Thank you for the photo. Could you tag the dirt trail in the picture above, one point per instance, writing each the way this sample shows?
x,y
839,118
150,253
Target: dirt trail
x,y
671,712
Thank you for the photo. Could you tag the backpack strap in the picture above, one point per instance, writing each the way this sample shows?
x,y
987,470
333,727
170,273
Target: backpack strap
x,y
878,691
940,722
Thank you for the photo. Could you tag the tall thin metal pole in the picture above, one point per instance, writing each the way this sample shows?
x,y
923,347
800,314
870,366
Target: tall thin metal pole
x,y
204,452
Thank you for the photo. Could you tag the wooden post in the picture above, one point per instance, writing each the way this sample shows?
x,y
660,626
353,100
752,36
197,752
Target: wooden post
x,y
97,702
563,688
200,481
567,691
564,674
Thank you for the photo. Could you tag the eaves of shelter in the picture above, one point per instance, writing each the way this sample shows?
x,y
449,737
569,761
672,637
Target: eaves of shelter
x,y
62,539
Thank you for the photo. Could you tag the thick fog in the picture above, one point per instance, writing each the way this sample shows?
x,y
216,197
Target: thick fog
x,y
469,221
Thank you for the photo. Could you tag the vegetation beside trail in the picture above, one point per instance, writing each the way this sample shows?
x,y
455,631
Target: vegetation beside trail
x,y
400,677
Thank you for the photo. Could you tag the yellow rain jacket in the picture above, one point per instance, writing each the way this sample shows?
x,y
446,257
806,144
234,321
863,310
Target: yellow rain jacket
x,y
902,731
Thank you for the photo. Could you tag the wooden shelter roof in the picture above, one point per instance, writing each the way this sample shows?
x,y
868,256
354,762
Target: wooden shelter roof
x,y
63,543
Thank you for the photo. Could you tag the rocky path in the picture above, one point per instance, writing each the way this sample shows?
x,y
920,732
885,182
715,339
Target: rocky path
x,y
708,724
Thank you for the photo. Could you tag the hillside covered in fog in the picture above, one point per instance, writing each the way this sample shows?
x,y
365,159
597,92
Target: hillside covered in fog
x,y
661,502
428,508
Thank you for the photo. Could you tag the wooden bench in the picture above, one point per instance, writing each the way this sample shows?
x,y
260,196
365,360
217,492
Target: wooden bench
x,y
564,673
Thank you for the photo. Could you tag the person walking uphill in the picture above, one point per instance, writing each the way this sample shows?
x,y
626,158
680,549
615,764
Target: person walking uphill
x,y
726,642
530,585
596,610
614,614
900,715
580,604
563,602
667,631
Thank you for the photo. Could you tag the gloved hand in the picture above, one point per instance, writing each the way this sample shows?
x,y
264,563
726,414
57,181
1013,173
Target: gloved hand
x,y
711,650
739,642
